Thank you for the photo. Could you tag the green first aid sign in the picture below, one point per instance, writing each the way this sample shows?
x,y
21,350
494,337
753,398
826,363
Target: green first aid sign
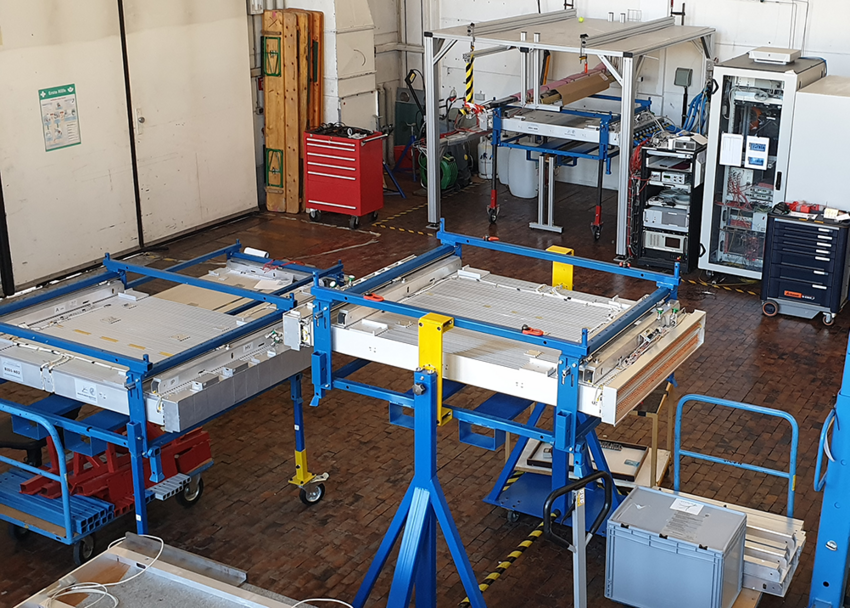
x,y
59,118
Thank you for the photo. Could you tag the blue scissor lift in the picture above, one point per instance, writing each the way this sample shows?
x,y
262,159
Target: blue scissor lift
x,y
72,519
424,506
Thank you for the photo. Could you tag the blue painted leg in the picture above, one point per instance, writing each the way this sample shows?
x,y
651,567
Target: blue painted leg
x,y
137,466
426,569
297,411
411,546
461,560
384,550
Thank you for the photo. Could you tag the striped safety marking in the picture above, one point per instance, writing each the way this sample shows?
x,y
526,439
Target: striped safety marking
x,y
512,480
403,230
703,284
506,563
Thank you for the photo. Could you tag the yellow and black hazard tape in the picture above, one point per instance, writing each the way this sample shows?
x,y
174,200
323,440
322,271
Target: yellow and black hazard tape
x,y
512,480
398,215
403,230
506,563
735,289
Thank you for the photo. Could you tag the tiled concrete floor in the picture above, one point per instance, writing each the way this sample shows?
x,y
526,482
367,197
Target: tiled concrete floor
x,y
252,519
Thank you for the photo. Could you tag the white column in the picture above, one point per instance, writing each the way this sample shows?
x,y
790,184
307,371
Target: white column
x,y
627,114
432,136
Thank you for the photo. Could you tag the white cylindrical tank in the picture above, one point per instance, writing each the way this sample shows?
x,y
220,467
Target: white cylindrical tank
x,y
523,174
485,158
503,165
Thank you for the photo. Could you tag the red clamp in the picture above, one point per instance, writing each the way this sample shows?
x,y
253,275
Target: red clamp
x,y
374,297
530,331
491,238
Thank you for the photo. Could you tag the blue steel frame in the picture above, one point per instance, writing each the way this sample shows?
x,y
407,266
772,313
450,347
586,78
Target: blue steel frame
x,y
832,551
678,452
139,370
569,156
573,432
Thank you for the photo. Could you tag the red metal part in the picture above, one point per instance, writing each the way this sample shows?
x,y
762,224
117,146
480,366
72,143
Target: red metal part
x,y
494,204
373,297
108,476
597,219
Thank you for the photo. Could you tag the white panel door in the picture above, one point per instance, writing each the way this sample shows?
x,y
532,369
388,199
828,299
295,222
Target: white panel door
x,y
190,81
67,206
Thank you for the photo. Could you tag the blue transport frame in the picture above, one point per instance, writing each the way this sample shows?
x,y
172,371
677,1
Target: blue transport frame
x,y
141,369
424,505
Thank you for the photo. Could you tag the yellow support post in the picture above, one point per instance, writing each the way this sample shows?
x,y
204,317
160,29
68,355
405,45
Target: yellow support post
x,y
432,328
302,475
562,274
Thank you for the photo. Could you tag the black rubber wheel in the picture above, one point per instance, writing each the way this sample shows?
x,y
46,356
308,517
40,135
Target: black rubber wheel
x,y
353,222
312,494
493,215
770,309
315,215
18,533
84,549
191,493
597,232
374,216
512,516
828,320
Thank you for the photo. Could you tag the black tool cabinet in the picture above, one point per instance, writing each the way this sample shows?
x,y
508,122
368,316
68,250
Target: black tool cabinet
x,y
806,267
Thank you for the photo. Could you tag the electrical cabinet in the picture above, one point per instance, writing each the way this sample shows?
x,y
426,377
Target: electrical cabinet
x,y
666,207
749,147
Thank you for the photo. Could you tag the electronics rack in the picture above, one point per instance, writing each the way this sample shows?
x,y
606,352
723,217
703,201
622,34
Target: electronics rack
x,y
667,204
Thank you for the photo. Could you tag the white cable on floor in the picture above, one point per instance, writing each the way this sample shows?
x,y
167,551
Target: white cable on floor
x,y
101,589
322,599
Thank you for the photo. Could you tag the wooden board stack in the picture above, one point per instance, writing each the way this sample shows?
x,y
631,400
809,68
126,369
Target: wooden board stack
x,y
293,48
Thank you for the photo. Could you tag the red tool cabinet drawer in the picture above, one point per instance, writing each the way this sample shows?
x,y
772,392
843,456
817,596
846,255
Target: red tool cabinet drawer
x,y
343,175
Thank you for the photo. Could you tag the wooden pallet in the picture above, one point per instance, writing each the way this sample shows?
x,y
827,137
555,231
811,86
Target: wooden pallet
x,y
292,69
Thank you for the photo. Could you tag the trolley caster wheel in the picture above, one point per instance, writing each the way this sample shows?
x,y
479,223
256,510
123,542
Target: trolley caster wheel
x,y
312,494
18,533
374,216
353,222
512,516
84,549
191,493
315,215
597,232
828,319
493,215
770,309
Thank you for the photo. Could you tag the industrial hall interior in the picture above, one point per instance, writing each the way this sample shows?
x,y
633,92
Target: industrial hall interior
x,y
433,303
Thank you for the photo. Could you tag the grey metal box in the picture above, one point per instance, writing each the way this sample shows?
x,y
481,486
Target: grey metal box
x,y
669,552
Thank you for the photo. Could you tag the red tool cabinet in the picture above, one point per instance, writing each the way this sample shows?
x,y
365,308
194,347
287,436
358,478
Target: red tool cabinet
x,y
343,175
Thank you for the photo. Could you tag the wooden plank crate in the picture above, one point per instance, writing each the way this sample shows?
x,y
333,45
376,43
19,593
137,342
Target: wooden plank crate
x,y
293,49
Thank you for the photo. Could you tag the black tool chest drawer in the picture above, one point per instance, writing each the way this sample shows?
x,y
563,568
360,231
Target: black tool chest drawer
x,y
806,262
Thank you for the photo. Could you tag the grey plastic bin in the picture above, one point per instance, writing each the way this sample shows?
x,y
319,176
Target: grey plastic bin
x,y
667,552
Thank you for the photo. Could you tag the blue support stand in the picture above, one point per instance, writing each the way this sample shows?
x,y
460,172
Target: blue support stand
x,y
832,552
423,508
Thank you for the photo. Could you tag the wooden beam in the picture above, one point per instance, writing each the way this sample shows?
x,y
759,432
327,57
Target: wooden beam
x,y
275,110
291,151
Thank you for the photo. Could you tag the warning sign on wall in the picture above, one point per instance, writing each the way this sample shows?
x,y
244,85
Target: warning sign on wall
x,y
59,117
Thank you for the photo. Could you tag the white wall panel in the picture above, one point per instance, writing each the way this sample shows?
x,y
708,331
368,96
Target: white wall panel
x,y
190,82
66,207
